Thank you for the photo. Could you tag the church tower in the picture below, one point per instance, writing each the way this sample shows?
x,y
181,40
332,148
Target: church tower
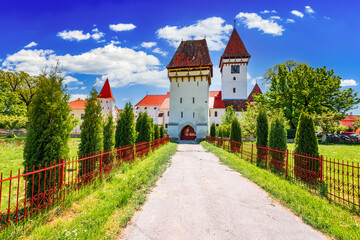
x,y
233,68
190,71
107,100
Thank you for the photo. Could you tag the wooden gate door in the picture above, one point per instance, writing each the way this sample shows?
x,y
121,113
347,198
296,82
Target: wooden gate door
x,y
188,133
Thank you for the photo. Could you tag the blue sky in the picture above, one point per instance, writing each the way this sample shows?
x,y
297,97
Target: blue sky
x,y
131,42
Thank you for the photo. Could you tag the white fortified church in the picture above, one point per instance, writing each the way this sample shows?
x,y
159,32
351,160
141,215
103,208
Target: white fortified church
x,y
190,108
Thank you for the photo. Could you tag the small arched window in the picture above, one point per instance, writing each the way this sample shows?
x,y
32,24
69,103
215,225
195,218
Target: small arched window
x,y
234,78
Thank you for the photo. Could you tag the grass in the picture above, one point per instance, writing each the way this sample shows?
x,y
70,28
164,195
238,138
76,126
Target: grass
x,y
104,212
331,219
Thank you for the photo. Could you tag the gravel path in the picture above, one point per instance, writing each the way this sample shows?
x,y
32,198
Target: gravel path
x,y
199,198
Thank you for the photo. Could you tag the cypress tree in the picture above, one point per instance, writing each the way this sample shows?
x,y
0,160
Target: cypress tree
x,y
162,132
48,130
91,131
125,130
262,130
213,130
277,140
109,139
156,131
306,144
144,126
235,134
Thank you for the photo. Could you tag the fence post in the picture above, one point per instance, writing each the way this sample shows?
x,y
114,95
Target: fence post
x,y
241,149
61,173
119,152
101,165
286,163
133,151
266,156
321,168
252,150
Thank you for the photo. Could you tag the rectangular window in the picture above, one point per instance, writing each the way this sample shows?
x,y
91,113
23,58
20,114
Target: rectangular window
x,y
180,100
166,125
209,113
235,69
234,90
182,114
82,116
193,100
215,113
193,115
168,113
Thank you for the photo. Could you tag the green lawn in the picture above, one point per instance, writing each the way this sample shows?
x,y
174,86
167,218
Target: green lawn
x,y
330,218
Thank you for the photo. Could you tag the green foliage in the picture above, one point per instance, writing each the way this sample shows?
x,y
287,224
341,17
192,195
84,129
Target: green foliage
x,y
277,140
213,130
291,133
156,131
125,130
339,128
144,126
235,130
219,132
262,130
230,113
306,143
356,124
49,127
296,87
248,119
162,132
109,140
12,122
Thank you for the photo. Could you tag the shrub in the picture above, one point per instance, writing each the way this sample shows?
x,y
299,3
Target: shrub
x,y
306,144
144,127
262,130
125,133
48,130
162,132
291,133
156,131
277,140
213,130
235,130
109,140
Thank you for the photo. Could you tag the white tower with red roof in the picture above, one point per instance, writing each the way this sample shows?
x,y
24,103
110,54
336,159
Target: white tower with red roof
x,y
107,100
233,68
190,72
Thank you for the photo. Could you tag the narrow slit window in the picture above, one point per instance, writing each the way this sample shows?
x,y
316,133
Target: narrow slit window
x,y
193,115
193,100
180,100
215,113
182,114
234,90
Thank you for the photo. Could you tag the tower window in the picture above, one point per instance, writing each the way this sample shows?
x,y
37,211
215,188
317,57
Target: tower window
x,y
234,78
166,125
178,84
234,90
198,83
193,100
180,100
215,113
106,101
235,69
182,114
168,113
193,115
82,116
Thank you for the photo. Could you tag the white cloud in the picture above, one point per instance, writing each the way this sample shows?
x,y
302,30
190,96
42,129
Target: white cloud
x,y
289,20
309,10
327,18
72,35
275,17
297,13
148,44
267,11
96,35
253,20
213,29
70,79
74,97
273,11
122,27
348,83
83,88
123,66
32,44
159,51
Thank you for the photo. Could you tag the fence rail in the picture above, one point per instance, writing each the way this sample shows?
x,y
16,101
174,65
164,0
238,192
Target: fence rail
x,y
35,190
338,180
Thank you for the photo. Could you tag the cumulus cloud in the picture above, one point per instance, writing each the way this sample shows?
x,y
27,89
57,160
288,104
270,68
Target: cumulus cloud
x,y
348,83
297,13
74,97
123,66
70,79
309,10
148,44
72,35
267,11
32,44
159,51
122,27
275,17
96,34
213,29
289,20
253,20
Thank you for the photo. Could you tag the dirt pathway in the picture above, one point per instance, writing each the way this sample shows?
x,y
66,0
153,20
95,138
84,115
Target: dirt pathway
x,y
199,198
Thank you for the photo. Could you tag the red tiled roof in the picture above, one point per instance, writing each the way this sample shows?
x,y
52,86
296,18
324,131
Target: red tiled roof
x,y
256,90
77,104
151,100
235,47
193,53
215,100
350,118
106,91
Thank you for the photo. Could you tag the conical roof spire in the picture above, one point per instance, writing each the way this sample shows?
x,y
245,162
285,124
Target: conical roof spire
x,y
106,91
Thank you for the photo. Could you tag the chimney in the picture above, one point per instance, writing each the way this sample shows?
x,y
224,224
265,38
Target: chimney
x,y
78,99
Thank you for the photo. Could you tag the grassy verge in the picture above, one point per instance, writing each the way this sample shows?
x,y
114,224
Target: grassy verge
x,y
104,212
331,219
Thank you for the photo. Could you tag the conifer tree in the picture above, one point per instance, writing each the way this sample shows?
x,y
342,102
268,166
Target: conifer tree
x,y
109,139
48,130
156,131
91,131
262,130
306,144
235,130
277,140
162,132
144,126
213,130
125,130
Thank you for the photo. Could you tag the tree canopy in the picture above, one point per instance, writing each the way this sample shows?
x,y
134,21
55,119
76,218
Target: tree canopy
x,y
295,87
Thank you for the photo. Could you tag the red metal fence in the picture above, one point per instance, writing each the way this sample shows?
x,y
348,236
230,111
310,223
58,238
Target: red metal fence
x,y
35,190
336,179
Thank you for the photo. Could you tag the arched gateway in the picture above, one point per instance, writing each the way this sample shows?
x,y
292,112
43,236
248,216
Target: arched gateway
x,y
188,133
